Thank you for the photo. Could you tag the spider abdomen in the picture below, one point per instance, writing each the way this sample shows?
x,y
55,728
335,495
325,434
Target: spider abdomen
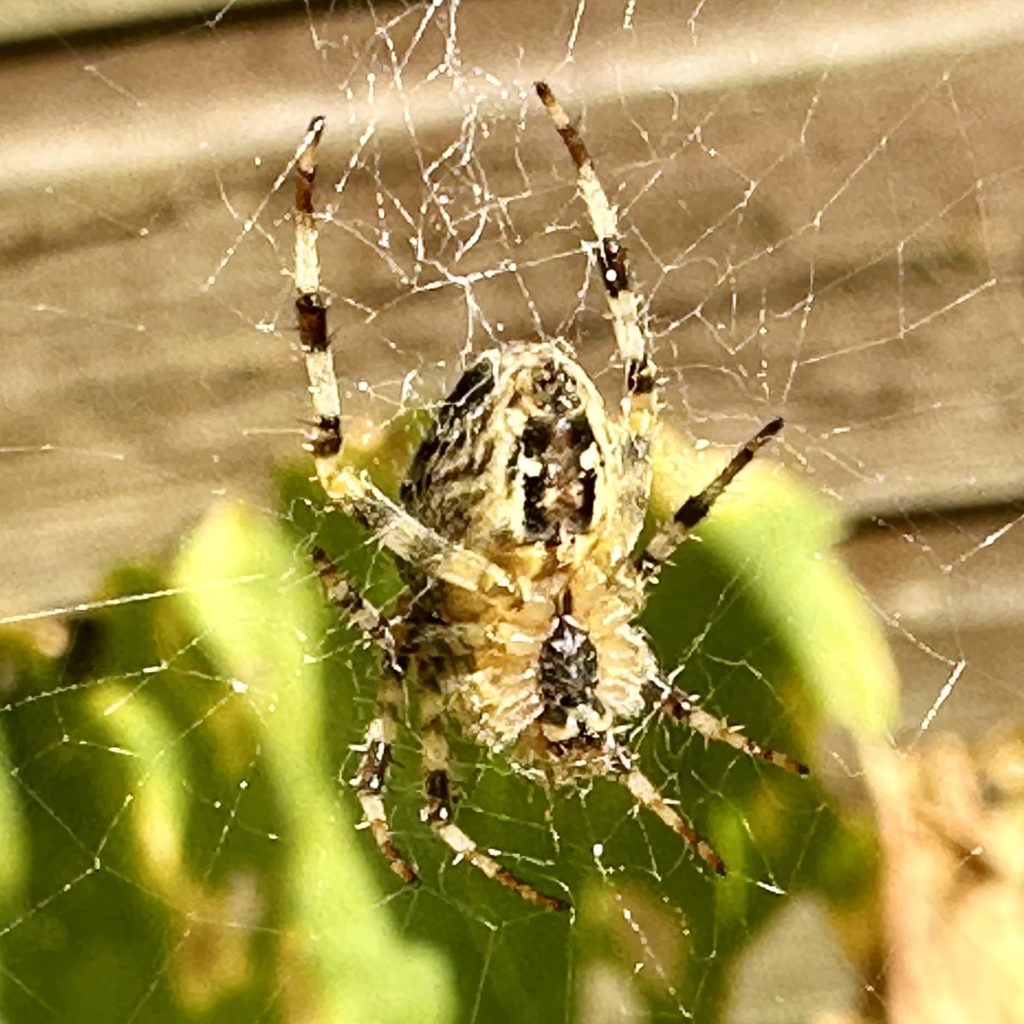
x,y
522,455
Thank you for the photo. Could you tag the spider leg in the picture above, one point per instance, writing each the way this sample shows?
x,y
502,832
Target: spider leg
x,y
437,810
641,375
684,710
645,793
370,780
696,507
356,608
352,491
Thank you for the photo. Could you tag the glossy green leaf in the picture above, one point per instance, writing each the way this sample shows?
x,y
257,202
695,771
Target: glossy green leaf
x,y
265,633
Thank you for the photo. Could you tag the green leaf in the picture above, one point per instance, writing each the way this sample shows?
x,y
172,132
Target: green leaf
x,y
778,536
178,773
266,633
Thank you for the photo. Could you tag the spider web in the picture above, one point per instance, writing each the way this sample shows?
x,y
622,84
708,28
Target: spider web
x,y
819,203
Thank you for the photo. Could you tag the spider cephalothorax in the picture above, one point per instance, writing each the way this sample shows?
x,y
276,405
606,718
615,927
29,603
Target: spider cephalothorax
x,y
516,532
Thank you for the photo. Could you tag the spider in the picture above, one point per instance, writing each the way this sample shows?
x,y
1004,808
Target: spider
x,y
516,533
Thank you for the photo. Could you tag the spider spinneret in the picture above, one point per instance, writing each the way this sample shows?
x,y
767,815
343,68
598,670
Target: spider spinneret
x,y
516,532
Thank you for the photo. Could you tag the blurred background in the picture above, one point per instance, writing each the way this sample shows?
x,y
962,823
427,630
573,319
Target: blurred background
x,y
822,204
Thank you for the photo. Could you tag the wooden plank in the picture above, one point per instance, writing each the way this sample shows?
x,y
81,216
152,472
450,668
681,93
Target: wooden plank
x,y
829,235
29,22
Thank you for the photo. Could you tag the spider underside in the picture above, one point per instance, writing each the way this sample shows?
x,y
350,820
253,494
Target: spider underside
x,y
516,533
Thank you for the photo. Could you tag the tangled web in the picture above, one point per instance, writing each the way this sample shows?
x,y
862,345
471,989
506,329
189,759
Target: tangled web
x,y
817,201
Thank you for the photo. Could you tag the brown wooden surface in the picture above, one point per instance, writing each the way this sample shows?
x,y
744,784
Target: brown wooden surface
x,y
823,210
31,23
